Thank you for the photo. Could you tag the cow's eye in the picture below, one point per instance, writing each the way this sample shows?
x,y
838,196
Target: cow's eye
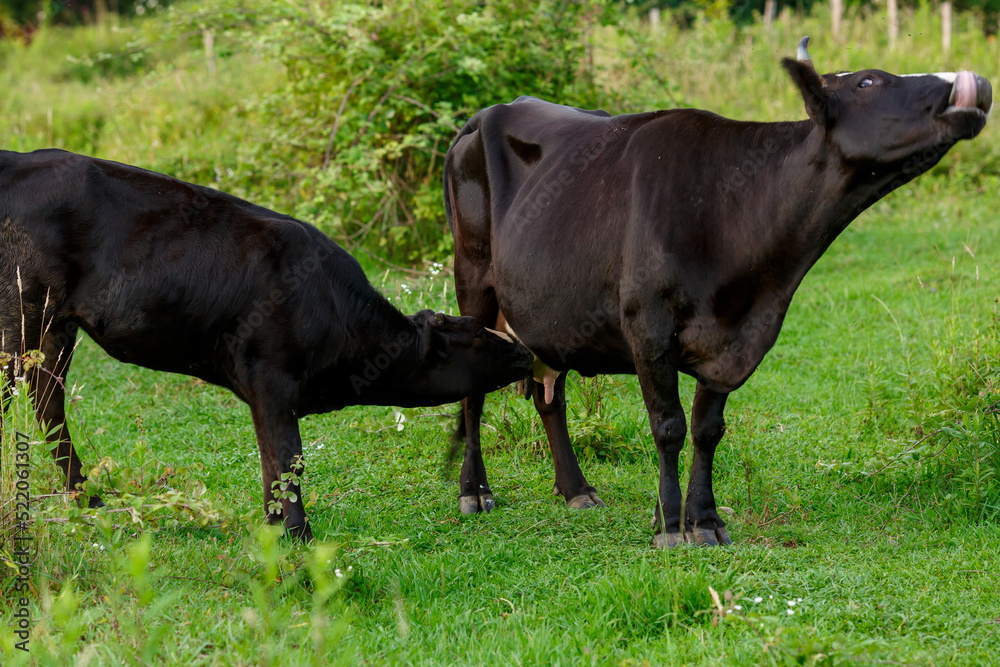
x,y
480,333
867,81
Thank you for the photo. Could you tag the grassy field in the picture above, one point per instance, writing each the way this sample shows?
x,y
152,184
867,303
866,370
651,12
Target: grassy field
x,y
862,461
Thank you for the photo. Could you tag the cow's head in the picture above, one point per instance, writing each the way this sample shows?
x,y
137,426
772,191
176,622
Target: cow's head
x,y
875,117
459,357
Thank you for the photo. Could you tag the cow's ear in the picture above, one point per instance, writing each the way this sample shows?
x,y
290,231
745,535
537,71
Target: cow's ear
x,y
815,94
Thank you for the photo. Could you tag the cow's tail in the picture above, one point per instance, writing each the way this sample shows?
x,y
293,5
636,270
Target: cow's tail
x,y
470,126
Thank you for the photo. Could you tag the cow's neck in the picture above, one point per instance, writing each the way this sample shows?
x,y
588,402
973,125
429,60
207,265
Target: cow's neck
x,y
813,197
794,208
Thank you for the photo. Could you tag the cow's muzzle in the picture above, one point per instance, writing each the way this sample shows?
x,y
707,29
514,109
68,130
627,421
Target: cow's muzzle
x,y
970,92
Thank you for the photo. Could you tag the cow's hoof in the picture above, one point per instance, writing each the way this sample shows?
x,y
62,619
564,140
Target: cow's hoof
x,y
476,504
585,501
95,502
708,537
668,540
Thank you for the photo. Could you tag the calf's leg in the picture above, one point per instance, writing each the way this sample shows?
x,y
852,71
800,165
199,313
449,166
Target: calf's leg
x,y
570,482
702,522
280,448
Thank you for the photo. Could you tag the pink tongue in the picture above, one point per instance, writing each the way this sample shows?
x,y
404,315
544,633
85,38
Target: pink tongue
x,y
965,89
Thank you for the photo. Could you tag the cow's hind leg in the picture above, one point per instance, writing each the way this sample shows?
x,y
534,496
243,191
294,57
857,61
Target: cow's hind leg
x,y
570,482
48,392
702,522
475,299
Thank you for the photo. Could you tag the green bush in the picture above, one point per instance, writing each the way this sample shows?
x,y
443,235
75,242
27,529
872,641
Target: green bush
x,y
374,95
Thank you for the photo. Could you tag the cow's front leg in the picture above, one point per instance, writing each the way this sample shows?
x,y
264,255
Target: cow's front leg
x,y
666,418
474,489
702,522
570,482
281,467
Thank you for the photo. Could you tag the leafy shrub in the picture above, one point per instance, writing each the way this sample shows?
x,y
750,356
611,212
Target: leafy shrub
x,y
375,93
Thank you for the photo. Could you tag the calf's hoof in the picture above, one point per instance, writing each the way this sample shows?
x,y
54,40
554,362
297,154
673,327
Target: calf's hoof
x,y
476,504
585,501
95,502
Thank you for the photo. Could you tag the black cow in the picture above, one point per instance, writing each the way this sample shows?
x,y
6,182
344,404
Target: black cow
x,y
672,241
182,278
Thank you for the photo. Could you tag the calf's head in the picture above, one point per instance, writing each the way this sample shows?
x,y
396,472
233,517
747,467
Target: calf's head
x,y
874,118
459,357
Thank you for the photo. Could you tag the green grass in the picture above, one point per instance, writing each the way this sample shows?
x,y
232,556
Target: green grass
x,y
861,460
886,566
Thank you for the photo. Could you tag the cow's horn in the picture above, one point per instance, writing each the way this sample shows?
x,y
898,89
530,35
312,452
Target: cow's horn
x,y
801,53
501,334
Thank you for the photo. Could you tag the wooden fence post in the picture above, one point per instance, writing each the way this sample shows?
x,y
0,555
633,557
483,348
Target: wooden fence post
x,y
946,26
892,14
836,16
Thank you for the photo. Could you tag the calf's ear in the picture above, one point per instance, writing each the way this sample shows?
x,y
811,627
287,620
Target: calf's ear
x,y
820,105
435,341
